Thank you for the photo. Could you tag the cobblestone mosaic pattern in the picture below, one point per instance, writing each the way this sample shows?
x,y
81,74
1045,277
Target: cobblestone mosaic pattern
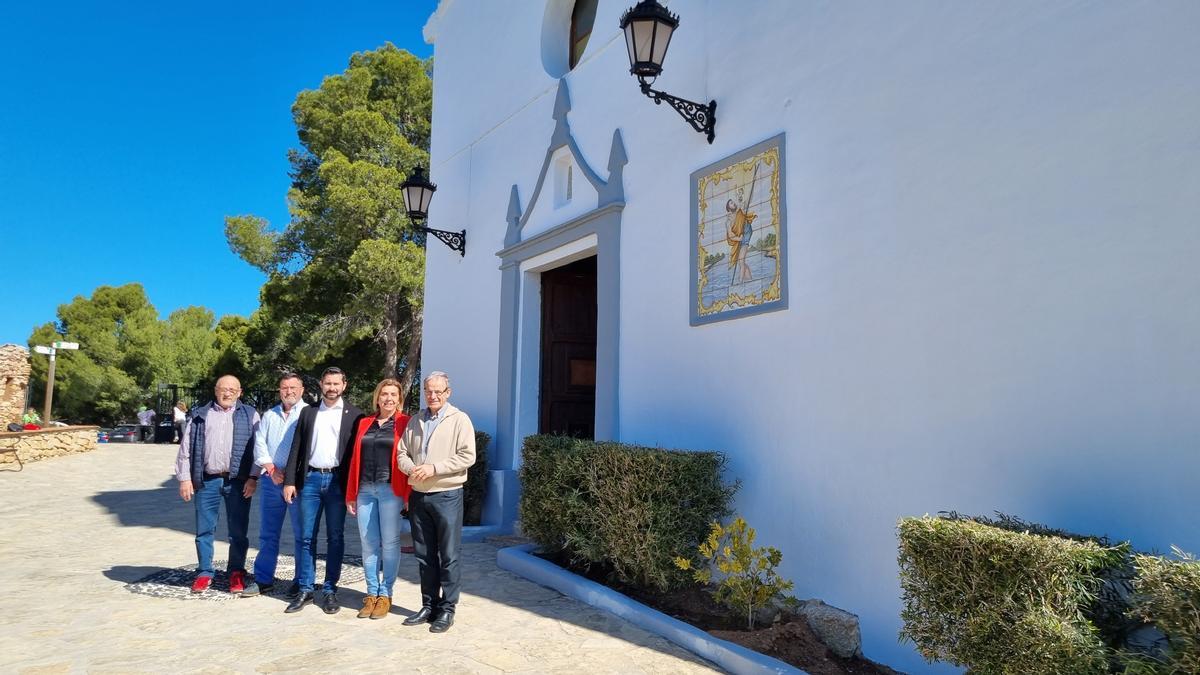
x,y
177,582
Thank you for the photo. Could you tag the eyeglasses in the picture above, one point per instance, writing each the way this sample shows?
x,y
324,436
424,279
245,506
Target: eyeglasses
x,y
291,389
439,394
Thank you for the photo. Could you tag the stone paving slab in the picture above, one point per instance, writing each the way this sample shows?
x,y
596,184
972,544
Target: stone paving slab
x,y
78,533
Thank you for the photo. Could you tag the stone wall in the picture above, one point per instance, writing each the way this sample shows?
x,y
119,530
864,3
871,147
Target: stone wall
x,y
14,380
43,443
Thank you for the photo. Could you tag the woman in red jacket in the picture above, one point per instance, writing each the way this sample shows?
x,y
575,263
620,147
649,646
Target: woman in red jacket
x,y
376,491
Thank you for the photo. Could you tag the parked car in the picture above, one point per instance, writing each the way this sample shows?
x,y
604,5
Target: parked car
x,y
124,433
102,435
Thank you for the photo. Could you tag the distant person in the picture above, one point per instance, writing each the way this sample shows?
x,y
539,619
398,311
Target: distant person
x,y
145,420
216,464
272,446
316,473
376,490
179,413
30,420
437,448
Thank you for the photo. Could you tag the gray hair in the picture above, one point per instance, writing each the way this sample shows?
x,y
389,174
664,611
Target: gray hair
x,y
437,374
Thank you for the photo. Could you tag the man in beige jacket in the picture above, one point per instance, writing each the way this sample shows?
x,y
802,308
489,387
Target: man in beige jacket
x,y
437,448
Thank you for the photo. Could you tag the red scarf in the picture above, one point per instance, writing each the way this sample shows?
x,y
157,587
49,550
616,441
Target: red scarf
x,y
399,480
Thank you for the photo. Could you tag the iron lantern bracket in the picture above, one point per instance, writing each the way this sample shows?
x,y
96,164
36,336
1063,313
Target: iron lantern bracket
x,y
702,117
457,241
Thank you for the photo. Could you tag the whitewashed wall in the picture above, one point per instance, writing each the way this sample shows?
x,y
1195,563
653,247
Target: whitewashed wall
x,y
993,238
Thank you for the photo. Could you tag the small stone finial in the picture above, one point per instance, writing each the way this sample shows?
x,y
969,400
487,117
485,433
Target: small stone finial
x,y
513,234
614,188
562,102
616,154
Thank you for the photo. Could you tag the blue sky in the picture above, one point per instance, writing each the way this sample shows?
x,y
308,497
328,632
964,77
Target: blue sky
x,y
129,130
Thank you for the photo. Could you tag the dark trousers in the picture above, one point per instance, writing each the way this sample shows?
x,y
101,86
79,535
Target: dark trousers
x,y
437,519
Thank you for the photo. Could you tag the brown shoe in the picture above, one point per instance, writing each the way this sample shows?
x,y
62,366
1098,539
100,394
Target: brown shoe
x,y
369,604
383,604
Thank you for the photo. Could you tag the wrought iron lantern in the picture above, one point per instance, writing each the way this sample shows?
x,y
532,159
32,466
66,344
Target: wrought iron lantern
x,y
418,192
648,28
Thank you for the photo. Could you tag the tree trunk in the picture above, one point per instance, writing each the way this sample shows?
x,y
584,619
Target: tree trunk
x,y
412,357
391,347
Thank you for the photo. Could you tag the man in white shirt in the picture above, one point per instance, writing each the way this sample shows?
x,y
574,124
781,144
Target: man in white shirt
x,y
316,473
272,446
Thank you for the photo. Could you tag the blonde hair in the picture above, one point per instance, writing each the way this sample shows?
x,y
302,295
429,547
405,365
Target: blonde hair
x,y
387,382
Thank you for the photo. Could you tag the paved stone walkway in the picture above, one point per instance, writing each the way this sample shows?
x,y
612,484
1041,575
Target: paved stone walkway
x,y
78,534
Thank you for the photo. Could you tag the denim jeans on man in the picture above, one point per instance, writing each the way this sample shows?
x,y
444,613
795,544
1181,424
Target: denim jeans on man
x,y
208,498
274,508
321,494
437,537
379,527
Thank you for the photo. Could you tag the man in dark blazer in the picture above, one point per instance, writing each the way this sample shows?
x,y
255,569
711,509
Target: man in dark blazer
x,y
316,474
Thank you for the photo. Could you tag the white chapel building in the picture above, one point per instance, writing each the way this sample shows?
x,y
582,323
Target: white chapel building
x,y
939,255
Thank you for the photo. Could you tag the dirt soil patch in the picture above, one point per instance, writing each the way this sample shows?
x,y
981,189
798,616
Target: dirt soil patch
x,y
790,639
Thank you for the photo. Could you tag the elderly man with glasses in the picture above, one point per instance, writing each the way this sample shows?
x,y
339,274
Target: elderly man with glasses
x,y
437,448
216,464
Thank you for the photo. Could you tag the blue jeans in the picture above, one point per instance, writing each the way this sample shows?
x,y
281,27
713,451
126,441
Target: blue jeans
x,y
321,493
273,511
379,527
208,500
437,537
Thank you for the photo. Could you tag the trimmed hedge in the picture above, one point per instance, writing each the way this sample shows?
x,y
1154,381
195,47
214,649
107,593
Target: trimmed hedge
x,y
1005,596
998,601
1167,594
622,510
475,491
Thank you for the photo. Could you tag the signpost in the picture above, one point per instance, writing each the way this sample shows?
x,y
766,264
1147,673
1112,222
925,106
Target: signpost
x,y
51,351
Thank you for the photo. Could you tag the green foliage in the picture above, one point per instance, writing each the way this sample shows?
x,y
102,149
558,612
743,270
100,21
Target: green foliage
x,y
1167,594
253,240
475,490
344,274
125,352
188,348
748,579
998,601
622,510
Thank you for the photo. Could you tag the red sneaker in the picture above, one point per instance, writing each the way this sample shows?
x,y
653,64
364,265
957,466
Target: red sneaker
x,y
201,584
237,582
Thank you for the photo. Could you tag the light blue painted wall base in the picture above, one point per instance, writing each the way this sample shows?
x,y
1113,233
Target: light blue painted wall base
x,y
732,657
471,533
500,500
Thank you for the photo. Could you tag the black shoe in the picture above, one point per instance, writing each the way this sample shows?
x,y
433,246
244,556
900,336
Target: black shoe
x,y
442,623
298,604
329,603
293,591
425,615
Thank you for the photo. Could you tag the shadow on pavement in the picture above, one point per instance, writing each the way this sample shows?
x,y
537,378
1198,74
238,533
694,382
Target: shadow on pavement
x,y
131,573
159,507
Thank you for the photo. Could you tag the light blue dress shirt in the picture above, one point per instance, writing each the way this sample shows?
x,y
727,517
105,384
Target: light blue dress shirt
x,y
273,440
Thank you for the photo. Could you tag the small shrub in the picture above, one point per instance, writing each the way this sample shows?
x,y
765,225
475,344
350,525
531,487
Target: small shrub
x,y
1110,609
1167,594
748,578
998,601
623,510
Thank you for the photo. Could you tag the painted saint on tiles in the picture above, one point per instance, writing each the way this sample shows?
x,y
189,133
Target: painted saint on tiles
x,y
738,235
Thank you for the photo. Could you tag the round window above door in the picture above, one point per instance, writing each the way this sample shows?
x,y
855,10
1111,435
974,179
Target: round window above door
x,y
566,29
